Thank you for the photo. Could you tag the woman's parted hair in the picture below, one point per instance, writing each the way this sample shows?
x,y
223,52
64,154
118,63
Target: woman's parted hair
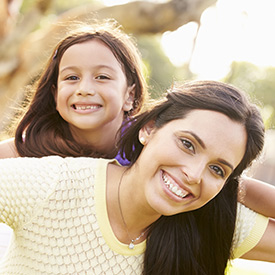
x,y
197,242
46,132
205,95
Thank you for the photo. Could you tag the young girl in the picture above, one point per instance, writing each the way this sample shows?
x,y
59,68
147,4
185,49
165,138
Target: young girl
x,y
91,84
84,215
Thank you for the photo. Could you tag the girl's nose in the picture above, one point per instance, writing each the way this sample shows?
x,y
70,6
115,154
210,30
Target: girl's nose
x,y
85,88
85,92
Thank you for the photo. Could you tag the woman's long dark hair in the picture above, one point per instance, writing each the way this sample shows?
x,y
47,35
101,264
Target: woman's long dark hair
x,y
46,132
197,242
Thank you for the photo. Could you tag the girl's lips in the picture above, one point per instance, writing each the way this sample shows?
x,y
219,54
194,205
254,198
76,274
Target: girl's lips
x,y
174,187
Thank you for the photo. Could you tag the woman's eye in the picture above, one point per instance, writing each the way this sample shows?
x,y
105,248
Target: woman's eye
x,y
72,77
217,170
188,145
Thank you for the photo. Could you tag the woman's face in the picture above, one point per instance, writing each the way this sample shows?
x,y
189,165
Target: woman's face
x,y
186,163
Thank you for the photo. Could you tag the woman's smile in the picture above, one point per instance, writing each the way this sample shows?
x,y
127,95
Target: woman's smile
x,y
174,188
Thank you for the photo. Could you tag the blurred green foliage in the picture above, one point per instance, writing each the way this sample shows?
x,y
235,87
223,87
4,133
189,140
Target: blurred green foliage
x,y
259,83
161,72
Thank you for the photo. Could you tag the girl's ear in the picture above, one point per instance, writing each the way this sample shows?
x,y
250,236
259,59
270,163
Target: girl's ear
x,y
129,98
146,132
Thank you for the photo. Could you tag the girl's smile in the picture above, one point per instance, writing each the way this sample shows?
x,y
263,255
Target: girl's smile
x,y
84,108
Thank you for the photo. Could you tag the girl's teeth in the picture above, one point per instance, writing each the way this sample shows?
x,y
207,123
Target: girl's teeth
x,y
86,107
173,188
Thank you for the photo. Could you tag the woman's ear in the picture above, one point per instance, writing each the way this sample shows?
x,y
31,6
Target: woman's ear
x,y
129,98
146,132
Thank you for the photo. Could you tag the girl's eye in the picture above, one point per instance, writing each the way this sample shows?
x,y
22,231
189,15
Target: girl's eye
x,y
217,170
188,145
72,77
102,77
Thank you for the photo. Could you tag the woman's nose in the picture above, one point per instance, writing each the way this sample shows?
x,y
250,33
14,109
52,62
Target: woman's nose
x,y
193,173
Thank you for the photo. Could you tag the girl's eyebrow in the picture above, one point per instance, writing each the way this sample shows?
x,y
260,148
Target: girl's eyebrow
x,y
199,140
67,68
96,67
105,67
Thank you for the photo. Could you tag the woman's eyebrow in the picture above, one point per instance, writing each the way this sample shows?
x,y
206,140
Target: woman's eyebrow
x,y
196,137
226,163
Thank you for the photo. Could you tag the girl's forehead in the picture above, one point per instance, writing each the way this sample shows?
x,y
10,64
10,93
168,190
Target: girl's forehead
x,y
92,51
89,43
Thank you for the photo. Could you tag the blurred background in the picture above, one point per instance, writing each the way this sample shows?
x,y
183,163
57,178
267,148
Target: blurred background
x,y
227,40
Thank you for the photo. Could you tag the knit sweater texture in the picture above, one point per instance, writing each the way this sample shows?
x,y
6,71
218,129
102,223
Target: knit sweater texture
x,y
57,210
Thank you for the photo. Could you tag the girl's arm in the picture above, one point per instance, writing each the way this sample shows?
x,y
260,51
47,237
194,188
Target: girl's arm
x,y
265,249
7,149
24,184
258,196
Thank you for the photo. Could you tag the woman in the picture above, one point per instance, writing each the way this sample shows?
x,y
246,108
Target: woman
x,y
78,215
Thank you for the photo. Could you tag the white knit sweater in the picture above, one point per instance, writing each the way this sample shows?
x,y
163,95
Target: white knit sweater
x,y
57,210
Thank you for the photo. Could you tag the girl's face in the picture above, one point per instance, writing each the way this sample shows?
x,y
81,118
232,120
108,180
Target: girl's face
x,y
185,163
92,92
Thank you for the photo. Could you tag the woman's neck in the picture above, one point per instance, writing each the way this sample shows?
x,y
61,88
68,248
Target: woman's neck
x,y
127,209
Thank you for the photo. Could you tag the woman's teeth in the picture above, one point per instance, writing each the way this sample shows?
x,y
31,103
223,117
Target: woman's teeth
x,y
173,188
